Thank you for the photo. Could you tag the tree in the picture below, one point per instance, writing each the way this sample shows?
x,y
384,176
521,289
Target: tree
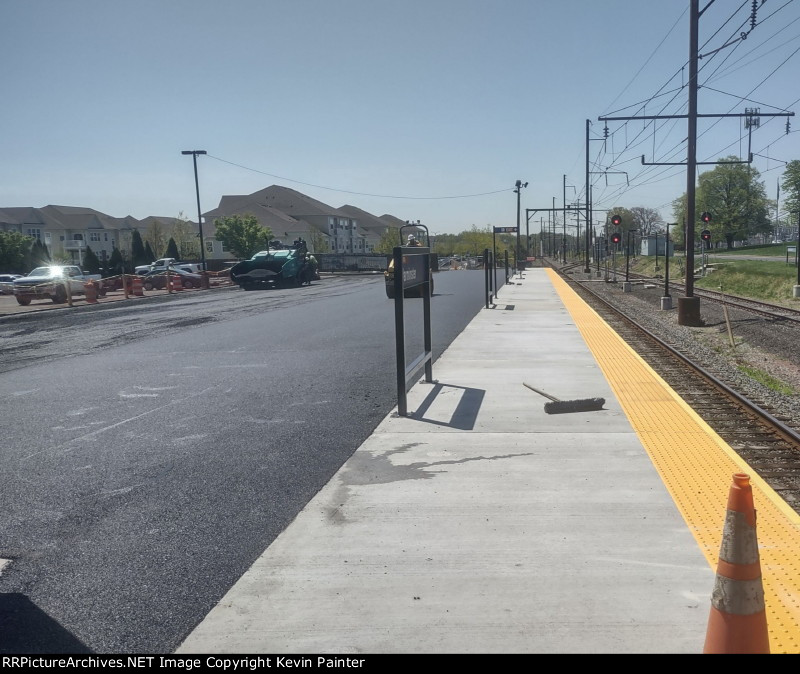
x,y
39,254
389,240
90,261
628,219
444,244
791,189
475,241
148,253
116,263
647,220
138,253
156,237
318,241
172,249
183,231
242,235
15,249
736,200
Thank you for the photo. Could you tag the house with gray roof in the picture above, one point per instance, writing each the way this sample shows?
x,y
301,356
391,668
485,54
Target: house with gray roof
x,y
284,227
325,223
67,231
372,226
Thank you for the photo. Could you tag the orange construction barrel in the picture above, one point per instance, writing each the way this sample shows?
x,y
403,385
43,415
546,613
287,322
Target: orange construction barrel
x,y
90,291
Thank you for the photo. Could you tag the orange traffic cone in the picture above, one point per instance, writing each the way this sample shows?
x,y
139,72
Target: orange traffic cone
x,y
738,619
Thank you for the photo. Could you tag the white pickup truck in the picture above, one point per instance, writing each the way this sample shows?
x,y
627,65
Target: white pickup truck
x,y
51,282
164,263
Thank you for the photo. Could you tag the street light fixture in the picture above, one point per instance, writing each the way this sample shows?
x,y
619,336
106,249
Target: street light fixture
x,y
194,154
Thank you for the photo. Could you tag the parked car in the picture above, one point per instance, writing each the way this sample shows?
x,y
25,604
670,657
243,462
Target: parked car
x,y
7,283
171,262
157,279
54,282
159,265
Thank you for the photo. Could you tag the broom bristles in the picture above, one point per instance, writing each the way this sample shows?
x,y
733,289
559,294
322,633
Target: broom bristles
x,y
564,406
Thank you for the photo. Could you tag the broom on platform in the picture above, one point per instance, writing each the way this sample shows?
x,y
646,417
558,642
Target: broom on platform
x,y
562,406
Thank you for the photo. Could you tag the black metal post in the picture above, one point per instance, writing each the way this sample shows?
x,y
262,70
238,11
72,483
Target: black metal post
x,y
588,207
666,263
485,284
689,306
518,189
627,255
426,312
399,332
797,249
487,267
492,274
494,251
656,235
194,154
564,215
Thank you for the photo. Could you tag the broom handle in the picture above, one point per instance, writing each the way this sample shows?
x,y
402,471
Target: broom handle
x,y
546,395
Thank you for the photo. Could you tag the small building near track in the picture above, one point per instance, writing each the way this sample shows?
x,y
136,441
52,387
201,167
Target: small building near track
x,y
655,245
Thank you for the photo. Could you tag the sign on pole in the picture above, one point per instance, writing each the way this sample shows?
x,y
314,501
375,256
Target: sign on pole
x,y
505,230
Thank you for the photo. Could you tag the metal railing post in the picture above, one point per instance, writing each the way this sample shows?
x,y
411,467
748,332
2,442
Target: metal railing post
x,y
399,332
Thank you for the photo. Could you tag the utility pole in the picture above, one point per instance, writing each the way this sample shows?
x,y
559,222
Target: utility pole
x,y
689,306
518,188
589,198
588,206
194,154
564,213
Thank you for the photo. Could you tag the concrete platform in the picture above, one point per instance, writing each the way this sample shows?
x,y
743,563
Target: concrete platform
x,y
480,524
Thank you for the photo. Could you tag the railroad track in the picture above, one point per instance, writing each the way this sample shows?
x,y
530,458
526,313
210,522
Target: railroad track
x,y
764,441
766,309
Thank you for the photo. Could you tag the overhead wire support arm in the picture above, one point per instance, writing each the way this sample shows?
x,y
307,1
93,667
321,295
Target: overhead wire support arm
x,y
727,114
698,163
749,114
605,173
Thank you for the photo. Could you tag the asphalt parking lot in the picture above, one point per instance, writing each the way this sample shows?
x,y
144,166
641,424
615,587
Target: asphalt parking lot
x,y
10,307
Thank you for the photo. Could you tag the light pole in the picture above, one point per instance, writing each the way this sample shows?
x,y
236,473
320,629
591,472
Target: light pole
x,y
626,287
194,154
655,233
564,212
666,300
517,189
796,289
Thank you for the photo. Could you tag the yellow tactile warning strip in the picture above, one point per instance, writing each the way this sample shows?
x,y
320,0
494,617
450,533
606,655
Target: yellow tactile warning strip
x,y
697,467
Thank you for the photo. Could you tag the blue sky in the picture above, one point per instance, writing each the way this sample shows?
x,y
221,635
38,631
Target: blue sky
x,y
427,110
